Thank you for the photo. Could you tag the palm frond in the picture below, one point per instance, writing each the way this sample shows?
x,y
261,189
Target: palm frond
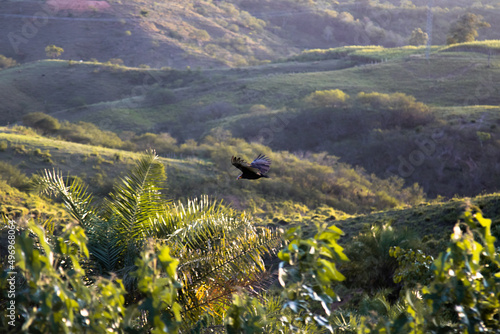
x,y
105,247
220,251
73,194
136,202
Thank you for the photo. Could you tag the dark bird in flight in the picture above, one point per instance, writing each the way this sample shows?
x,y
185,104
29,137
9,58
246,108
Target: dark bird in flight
x,y
257,169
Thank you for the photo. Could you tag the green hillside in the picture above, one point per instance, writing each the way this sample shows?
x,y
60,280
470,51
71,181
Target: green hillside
x,y
205,168
451,146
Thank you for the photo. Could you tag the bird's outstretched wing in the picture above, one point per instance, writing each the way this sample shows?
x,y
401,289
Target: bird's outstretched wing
x,y
240,164
262,163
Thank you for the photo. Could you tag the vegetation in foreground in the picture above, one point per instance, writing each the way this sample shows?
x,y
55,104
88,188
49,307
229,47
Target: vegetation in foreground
x,y
84,276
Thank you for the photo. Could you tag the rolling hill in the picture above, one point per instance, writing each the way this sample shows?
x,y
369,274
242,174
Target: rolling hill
x,y
208,34
265,103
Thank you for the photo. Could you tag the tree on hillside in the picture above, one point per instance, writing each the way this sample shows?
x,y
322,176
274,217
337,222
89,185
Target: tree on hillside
x,y
418,37
53,51
465,28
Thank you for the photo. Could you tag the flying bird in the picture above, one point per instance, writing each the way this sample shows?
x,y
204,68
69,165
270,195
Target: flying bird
x,y
257,169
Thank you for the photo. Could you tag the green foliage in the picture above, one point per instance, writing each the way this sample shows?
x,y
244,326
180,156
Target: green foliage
x,y
6,62
53,51
465,28
219,250
246,315
327,98
464,293
399,109
56,296
413,266
89,133
370,249
159,96
156,277
13,176
307,271
467,279
81,132
418,37
43,122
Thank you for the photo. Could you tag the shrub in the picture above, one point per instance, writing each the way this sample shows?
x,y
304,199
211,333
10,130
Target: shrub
x,y
13,176
57,298
53,51
116,61
258,108
233,27
43,122
159,95
327,98
6,62
418,37
162,143
89,133
464,293
398,109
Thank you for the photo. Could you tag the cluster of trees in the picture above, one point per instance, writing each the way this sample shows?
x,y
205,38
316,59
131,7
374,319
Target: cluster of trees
x,y
135,263
336,116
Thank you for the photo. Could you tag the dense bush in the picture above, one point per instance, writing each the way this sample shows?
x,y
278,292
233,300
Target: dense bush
x,y
327,98
13,176
43,122
54,293
163,143
397,109
463,295
89,133
159,96
6,62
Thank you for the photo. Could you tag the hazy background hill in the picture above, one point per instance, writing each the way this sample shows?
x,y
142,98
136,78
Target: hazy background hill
x,y
218,33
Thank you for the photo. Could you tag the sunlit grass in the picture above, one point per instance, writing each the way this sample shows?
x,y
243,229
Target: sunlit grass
x,y
479,46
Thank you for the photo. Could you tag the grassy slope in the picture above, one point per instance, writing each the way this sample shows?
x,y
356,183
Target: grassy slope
x,y
192,176
431,221
447,79
461,87
205,169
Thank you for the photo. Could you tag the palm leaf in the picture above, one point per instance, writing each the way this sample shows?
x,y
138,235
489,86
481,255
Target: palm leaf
x,y
102,244
73,194
220,252
136,202
105,248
